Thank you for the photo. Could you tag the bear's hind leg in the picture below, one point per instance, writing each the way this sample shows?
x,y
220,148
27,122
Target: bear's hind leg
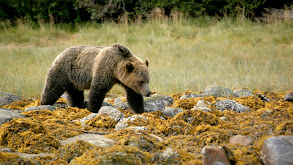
x,y
75,97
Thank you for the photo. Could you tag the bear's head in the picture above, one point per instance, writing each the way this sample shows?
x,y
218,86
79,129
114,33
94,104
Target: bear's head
x,y
132,71
137,77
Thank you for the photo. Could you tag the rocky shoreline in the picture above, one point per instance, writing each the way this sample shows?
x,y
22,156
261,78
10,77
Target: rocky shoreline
x,y
216,126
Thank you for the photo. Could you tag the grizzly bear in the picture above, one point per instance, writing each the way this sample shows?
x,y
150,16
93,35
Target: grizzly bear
x,y
98,69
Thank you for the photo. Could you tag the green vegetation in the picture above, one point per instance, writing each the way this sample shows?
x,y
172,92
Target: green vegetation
x,y
184,55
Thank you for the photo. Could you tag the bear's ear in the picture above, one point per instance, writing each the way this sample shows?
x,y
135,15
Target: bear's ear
x,y
147,62
123,50
129,67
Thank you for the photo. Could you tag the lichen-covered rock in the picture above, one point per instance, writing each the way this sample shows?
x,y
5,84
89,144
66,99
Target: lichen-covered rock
x,y
158,105
120,102
41,107
6,98
95,139
228,104
213,155
201,105
192,95
7,115
112,112
244,92
278,150
240,139
168,156
219,91
124,122
289,96
71,150
169,111
28,135
167,100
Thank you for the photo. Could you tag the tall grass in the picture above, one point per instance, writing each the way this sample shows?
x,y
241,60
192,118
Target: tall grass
x,y
185,55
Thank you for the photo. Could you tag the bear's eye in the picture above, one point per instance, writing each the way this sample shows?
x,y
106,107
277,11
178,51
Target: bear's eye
x,y
141,82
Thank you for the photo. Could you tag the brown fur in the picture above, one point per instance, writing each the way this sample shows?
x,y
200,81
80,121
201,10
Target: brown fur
x,y
98,69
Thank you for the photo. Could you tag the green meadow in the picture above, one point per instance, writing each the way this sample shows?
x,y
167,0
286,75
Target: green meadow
x,y
187,55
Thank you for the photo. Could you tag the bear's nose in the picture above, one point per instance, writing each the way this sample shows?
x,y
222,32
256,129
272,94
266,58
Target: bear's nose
x,y
148,94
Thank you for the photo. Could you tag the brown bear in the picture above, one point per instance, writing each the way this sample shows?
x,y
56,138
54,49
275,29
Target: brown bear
x,y
97,69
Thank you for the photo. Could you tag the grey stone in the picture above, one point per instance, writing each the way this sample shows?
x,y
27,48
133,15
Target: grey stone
x,y
214,155
244,92
123,122
6,98
138,128
169,111
192,95
30,156
89,117
112,112
278,150
224,118
202,106
158,105
7,115
262,97
6,150
98,140
239,139
168,156
118,103
289,96
41,107
231,105
159,97
219,91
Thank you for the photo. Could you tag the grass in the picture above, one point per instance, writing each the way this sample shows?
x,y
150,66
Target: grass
x,y
188,55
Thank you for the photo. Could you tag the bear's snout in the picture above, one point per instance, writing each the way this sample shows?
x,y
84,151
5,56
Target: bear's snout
x,y
148,94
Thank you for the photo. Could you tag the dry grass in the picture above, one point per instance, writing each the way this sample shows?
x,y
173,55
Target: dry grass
x,y
184,55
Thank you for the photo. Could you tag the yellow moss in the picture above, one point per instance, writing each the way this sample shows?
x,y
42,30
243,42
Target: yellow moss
x,y
27,135
197,117
72,150
186,103
252,102
18,105
11,158
101,123
124,155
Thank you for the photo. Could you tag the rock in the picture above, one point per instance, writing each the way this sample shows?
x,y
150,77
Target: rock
x,y
224,118
7,115
278,150
214,155
41,107
97,140
262,97
219,91
202,106
242,140
138,128
231,105
112,112
244,92
6,150
159,97
123,122
119,103
105,103
289,96
30,156
90,116
6,98
168,156
192,95
158,105
169,111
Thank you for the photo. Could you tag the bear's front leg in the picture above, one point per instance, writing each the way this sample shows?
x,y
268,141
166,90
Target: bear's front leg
x,y
96,98
135,100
